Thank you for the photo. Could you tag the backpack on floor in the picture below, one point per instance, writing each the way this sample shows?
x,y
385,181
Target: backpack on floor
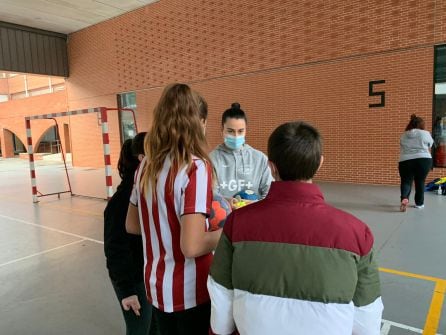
x,y
435,184
431,186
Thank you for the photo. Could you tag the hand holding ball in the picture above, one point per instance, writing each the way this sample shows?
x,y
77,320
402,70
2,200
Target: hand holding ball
x,y
220,209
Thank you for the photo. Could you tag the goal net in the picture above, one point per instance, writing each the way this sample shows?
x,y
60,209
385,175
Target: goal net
x,y
80,179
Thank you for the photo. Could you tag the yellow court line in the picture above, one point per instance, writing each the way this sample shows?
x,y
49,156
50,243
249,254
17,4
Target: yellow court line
x,y
434,314
411,275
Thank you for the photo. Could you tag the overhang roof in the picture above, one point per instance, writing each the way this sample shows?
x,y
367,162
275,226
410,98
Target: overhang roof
x,y
65,16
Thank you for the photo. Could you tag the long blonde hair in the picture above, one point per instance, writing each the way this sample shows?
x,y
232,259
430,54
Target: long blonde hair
x,y
177,133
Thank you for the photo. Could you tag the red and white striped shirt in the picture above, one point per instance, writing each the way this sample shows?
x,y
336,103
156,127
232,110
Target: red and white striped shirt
x,y
173,282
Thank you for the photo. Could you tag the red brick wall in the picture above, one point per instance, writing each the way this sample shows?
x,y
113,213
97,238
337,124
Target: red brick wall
x,y
176,40
6,143
16,84
4,89
86,132
282,60
35,82
361,144
12,114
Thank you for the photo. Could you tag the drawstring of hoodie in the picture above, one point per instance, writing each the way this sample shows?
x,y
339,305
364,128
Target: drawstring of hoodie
x,y
235,165
242,159
241,151
243,162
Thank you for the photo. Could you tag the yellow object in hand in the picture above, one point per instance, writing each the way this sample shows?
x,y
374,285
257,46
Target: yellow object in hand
x,y
239,204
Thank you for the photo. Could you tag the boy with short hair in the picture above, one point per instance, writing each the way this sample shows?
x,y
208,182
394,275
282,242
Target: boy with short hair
x,y
291,263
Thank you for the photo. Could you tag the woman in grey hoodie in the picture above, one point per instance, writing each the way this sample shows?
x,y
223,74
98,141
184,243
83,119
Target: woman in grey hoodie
x,y
415,161
238,166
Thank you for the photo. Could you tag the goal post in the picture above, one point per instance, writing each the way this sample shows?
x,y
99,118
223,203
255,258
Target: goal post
x,y
103,115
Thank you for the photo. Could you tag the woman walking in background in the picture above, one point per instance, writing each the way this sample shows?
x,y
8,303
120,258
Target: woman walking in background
x,y
415,161
173,196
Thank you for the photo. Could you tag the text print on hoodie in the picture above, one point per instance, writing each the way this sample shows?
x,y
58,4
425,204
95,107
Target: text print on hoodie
x,y
242,169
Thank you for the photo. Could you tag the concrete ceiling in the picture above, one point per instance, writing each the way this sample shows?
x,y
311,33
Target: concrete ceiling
x,y
64,16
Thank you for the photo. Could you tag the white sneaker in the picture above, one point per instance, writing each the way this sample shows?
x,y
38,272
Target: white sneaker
x,y
419,207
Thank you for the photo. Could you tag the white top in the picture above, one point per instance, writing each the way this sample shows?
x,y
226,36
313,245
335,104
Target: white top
x,y
415,143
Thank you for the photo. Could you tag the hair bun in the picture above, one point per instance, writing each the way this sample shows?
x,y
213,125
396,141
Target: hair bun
x,y
413,116
235,105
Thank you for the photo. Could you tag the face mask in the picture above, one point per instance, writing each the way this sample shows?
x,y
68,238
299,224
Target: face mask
x,y
234,142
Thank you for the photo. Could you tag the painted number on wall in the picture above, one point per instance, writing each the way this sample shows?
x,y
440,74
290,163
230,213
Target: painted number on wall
x,y
373,93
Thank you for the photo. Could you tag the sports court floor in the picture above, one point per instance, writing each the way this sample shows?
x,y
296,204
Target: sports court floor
x,y
53,278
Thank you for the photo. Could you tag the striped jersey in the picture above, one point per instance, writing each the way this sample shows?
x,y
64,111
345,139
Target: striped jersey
x,y
173,283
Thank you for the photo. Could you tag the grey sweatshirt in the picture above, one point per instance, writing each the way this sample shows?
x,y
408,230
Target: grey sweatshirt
x,y
414,144
242,169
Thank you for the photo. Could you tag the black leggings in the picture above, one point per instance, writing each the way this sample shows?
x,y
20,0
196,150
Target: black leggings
x,y
194,321
414,170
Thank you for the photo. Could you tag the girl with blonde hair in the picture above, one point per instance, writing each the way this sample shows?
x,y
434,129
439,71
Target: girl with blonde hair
x,y
172,197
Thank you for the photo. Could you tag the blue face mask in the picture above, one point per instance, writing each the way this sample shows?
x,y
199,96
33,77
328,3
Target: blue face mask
x,y
234,142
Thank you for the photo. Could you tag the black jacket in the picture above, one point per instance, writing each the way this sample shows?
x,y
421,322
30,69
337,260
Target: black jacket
x,y
124,253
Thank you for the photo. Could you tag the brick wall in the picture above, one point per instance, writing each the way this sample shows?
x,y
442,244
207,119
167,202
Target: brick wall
x,y
6,143
175,40
281,59
12,114
85,130
4,89
35,82
86,133
16,84
360,144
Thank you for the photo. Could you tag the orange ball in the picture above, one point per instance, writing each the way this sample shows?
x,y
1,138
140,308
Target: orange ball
x,y
220,209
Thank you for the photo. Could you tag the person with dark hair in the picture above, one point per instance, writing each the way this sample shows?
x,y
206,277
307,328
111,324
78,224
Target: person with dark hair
x,y
415,161
238,166
291,263
138,145
202,108
123,251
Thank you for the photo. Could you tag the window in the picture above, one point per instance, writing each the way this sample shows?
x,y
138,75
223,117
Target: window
x,y
127,125
49,143
439,113
58,87
18,95
4,97
39,91
33,85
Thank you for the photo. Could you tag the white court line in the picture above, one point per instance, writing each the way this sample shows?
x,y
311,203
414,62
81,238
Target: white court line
x,y
385,328
51,229
41,253
387,325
